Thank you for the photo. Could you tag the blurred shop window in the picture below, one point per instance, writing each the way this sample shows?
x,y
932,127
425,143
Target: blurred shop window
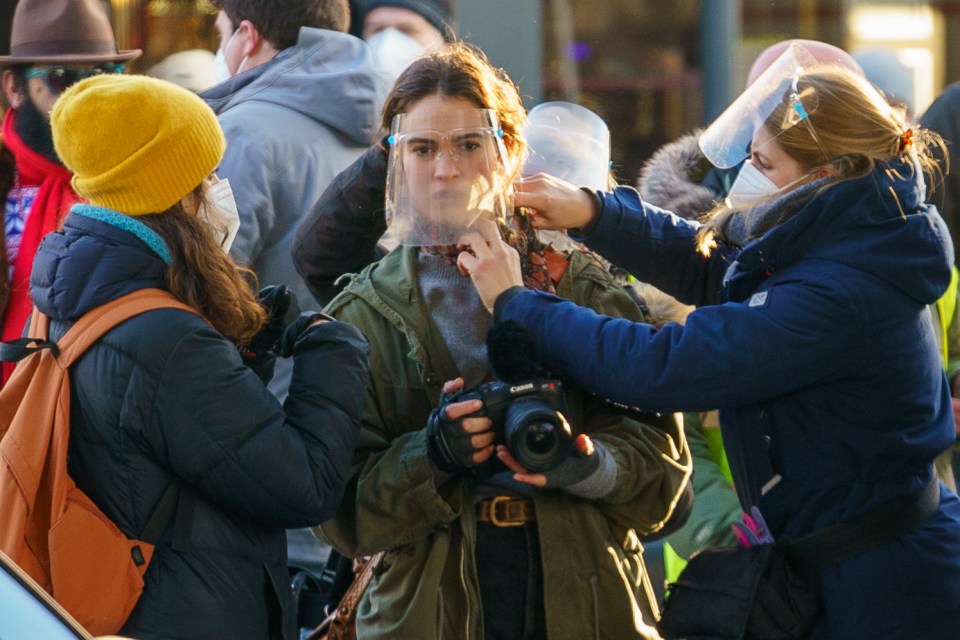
x,y
766,22
163,27
908,48
900,47
633,63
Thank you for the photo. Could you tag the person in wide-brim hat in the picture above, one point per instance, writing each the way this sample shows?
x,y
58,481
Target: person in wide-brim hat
x,y
53,43
63,32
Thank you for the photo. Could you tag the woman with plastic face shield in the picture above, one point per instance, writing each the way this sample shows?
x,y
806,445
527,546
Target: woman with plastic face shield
x,y
345,231
172,404
811,335
471,549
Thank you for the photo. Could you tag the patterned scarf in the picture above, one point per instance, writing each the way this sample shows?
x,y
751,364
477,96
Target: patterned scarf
x,y
522,237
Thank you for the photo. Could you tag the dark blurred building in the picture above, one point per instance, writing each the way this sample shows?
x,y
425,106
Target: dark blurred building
x,y
653,69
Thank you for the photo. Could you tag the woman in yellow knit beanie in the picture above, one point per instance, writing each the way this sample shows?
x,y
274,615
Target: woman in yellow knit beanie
x,y
165,403
139,146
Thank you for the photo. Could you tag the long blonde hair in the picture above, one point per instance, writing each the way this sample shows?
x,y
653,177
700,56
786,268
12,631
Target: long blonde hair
x,y
204,277
853,130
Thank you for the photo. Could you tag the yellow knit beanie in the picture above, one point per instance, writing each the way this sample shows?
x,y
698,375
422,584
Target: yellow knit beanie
x,y
135,144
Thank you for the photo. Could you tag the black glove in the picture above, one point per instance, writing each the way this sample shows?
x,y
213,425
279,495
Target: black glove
x,y
448,444
296,329
279,302
282,307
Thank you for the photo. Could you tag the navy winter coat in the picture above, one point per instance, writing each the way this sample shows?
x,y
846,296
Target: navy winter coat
x,y
164,397
815,342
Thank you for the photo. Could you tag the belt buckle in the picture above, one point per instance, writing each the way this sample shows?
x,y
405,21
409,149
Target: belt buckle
x,y
496,521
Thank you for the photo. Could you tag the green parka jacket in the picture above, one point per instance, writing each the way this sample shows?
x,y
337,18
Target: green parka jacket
x,y
595,583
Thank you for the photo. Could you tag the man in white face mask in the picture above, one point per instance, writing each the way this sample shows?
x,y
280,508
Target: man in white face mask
x,y
300,105
286,102
400,30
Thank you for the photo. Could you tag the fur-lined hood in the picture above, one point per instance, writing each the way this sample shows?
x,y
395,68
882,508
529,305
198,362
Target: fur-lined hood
x,y
671,178
658,307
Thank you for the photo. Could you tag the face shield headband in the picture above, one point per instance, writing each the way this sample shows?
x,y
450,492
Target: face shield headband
x,y
446,170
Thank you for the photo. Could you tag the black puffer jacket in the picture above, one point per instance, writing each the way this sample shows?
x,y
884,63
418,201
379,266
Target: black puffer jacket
x,y
165,398
340,235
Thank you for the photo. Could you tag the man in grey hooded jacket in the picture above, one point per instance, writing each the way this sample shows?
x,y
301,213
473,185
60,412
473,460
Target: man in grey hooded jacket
x,y
301,104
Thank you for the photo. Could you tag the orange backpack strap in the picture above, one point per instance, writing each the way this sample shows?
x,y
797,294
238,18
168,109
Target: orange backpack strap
x,y
88,328
96,322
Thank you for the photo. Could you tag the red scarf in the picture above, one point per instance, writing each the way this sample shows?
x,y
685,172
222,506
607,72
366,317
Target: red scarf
x,y
49,208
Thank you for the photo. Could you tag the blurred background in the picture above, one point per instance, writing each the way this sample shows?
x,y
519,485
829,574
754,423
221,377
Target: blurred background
x,y
653,69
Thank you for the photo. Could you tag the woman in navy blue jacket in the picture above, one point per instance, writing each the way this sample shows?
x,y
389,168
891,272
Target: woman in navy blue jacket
x,y
166,398
812,333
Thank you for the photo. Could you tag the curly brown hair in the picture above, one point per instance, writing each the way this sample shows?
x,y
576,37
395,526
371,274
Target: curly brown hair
x,y
204,277
460,70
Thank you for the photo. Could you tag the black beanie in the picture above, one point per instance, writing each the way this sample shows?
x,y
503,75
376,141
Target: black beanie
x,y
440,13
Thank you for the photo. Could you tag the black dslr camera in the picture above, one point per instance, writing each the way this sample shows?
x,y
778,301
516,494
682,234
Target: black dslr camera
x,y
528,417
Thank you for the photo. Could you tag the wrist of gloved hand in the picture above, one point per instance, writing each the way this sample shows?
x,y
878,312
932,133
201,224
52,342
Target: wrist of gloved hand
x,y
589,472
296,333
259,354
262,363
448,444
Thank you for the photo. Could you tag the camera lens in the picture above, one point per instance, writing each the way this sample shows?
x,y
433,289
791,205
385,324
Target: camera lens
x,y
537,435
540,437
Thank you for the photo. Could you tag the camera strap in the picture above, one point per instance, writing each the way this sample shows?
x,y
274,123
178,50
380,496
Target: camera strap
x,y
882,526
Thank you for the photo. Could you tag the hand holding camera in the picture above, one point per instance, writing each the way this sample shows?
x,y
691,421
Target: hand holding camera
x,y
459,439
521,410
527,416
589,471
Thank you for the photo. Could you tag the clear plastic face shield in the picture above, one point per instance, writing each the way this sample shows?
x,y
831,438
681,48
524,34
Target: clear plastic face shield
x,y
570,142
773,101
446,170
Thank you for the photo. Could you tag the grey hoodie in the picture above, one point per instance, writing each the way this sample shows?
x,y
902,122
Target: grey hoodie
x,y
291,125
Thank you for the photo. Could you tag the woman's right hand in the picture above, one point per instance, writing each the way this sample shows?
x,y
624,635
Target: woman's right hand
x,y
458,438
555,204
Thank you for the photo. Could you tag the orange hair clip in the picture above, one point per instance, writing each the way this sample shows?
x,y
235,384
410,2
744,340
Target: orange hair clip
x,y
906,138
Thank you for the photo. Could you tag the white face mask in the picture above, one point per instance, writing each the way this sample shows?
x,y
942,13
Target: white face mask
x,y
219,210
393,51
221,70
750,186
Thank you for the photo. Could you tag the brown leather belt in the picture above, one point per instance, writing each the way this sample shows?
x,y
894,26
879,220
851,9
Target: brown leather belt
x,y
506,511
